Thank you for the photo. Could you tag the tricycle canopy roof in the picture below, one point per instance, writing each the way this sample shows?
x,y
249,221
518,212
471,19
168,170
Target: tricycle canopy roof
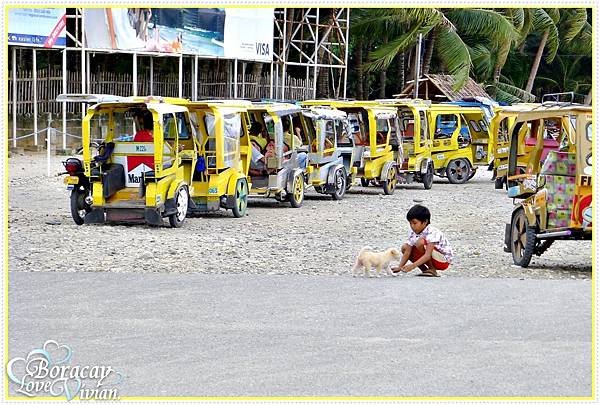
x,y
529,112
276,108
409,102
89,98
379,111
160,108
323,113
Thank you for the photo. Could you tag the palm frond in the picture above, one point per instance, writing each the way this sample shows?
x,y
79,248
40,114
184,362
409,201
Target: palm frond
x,y
517,17
573,21
505,79
454,54
482,60
582,45
580,88
527,25
375,23
553,13
515,92
484,23
383,56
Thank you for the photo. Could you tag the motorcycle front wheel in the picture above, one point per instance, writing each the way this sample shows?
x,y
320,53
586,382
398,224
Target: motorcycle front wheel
x,y
79,208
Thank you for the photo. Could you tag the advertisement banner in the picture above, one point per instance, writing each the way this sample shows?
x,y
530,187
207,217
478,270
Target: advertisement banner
x,y
249,33
230,33
43,27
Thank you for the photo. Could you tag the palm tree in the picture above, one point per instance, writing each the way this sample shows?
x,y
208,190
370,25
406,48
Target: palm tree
x,y
444,30
544,21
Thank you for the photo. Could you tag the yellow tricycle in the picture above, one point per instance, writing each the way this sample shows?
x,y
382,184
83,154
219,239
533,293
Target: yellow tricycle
x,y
374,130
461,140
556,188
138,176
417,140
331,156
279,151
219,168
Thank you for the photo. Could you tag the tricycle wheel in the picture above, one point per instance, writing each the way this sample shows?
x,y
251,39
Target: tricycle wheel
x,y
296,197
241,198
364,182
79,208
458,171
428,177
389,184
522,238
339,182
181,202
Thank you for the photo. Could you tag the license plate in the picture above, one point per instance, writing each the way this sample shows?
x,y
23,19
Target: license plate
x,y
71,180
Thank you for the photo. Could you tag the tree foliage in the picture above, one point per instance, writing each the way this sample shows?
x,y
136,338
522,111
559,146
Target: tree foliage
x,y
496,47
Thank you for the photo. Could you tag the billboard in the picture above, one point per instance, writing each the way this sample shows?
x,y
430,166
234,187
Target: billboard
x,y
214,32
43,27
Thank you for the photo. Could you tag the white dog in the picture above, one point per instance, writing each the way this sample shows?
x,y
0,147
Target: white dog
x,y
367,259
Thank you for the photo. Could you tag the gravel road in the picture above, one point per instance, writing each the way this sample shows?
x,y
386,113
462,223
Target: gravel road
x,y
321,237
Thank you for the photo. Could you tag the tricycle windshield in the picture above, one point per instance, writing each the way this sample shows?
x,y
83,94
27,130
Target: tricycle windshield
x,y
209,123
99,127
325,134
343,136
445,125
383,128
275,135
169,127
231,139
124,125
328,136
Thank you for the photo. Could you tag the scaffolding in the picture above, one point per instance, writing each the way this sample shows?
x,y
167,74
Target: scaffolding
x,y
316,40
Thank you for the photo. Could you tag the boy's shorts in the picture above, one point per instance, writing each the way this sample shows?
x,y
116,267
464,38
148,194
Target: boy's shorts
x,y
437,258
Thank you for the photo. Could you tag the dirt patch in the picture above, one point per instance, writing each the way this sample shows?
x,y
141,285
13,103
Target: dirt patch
x,y
321,237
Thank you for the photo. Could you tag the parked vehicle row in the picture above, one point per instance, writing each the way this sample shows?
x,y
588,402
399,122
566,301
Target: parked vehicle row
x,y
150,158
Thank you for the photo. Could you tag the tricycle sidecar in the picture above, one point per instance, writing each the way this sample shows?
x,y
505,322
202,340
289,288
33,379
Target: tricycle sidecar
x,y
374,130
330,167
279,151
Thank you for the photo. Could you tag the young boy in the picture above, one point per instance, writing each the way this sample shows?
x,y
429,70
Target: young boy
x,y
427,248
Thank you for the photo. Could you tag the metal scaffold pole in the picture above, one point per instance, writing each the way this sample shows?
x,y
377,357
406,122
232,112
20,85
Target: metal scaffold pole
x,y
180,75
64,104
346,53
14,103
35,103
135,69
151,76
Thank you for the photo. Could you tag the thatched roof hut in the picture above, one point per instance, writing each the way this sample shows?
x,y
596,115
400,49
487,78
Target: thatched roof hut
x,y
439,88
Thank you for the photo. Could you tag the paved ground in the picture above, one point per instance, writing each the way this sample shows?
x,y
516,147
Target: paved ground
x,y
297,335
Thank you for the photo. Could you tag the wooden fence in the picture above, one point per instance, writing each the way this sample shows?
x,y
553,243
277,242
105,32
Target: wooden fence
x,y
209,85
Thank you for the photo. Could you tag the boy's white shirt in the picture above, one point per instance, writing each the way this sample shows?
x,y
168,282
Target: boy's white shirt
x,y
435,236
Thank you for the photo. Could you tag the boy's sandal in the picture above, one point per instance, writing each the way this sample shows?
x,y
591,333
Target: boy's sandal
x,y
428,273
